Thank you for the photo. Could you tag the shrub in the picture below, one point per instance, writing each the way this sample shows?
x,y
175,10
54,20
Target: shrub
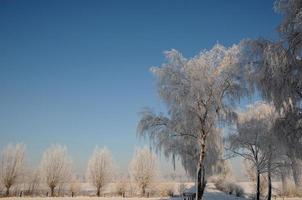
x,y
229,187
239,191
121,187
166,189
75,187
181,188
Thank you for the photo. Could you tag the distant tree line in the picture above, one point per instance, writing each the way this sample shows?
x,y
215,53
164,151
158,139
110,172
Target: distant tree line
x,y
55,173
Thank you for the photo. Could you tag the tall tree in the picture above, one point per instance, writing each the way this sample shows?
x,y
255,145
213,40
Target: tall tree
x,y
275,69
100,169
12,165
55,167
195,92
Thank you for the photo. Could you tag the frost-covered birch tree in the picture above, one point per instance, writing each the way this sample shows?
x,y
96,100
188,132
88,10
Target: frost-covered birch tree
x,y
195,92
12,165
254,140
100,169
55,167
143,169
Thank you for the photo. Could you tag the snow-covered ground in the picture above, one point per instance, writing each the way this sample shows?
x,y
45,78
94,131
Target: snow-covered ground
x,y
211,194
208,196
81,198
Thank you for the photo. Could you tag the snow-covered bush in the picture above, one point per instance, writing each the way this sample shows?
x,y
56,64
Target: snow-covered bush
x,y
75,186
228,187
166,189
239,191
181,188
121,186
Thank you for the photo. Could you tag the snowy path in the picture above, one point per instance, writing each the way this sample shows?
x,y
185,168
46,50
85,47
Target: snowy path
x,y
213,194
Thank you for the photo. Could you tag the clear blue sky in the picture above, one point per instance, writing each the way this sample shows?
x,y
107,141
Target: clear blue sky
x,y
77,72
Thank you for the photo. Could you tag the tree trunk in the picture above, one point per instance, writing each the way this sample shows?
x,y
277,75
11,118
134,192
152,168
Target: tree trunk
x,y
7,191
269,180
269,188
52,191
204,182
143,191
201,183
98,191
258,185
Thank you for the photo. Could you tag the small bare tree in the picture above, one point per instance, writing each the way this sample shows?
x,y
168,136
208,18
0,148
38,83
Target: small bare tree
x,y
100,169
55,167
12,165
143,169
